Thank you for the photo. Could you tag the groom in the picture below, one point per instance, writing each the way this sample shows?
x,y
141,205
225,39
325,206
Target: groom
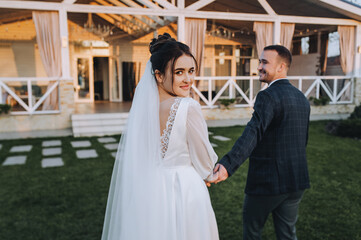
x,y
275,141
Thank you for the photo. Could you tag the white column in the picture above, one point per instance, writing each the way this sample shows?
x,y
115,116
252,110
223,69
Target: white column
x,y
357,66
277,32
181,28
181,22
1,96
180,4
65,59
357,61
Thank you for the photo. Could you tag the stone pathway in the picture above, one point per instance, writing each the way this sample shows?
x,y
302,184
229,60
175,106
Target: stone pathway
x,y
79,144
51,143
51,151
88,153
106,140
15,160
221,138
52,162
20,159
24,148
51,148
214,145
111,146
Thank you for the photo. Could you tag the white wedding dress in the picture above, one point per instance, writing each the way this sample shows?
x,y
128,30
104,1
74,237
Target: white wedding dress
x,y
188,158
157,190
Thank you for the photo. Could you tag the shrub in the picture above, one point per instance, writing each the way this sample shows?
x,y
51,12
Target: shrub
x,y
349,128
4,108
356,114
227,102
320,101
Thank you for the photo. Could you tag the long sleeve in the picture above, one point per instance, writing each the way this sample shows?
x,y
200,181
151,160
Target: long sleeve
x,y
201,152
262,117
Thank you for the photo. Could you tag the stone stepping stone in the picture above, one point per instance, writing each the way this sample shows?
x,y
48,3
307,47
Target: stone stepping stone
x,y
1,146
88,153
51,143
24,148
221,138
78,144
114,154
111,146
14,160
210,133
107,140
214,145
51,151
52,162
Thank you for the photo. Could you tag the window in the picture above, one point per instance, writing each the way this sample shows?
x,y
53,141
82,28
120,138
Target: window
x,y
305,45
244,54
224,50
333,44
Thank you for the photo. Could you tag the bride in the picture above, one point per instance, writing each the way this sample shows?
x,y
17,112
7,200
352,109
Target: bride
x,y
157,191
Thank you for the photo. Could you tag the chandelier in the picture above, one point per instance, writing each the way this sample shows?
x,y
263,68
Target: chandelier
x,y
101,31
224,32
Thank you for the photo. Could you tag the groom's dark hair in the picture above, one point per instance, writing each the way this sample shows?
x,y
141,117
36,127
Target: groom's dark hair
x,y
282,51
166,49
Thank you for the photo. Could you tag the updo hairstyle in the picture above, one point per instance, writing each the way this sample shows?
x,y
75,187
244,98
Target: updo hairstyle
x,y
165,50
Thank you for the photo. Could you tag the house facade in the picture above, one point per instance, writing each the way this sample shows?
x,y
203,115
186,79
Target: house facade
x,y
68,64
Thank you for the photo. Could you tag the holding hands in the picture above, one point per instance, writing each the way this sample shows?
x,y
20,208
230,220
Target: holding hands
x,y
219,174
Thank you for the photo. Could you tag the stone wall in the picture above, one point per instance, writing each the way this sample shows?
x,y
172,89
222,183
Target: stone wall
x,y
246,113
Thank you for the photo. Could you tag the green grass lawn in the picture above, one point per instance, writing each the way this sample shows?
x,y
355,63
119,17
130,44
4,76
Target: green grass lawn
x,y
69,202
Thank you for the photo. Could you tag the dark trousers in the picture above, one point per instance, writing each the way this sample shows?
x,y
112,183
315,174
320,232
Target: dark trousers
x,y
284,209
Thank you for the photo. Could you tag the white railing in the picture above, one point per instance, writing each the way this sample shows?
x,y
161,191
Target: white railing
x,y
338,89
27,100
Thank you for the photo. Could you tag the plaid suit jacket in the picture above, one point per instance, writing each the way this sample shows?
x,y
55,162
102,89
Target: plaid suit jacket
x,y
275,141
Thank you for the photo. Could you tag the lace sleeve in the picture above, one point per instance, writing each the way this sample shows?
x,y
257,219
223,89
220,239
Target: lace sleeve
x,y
201,152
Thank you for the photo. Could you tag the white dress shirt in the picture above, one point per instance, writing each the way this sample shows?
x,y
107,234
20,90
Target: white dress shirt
x,y
275,81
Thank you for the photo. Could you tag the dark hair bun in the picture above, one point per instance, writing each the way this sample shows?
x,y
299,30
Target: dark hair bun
x,y
157,43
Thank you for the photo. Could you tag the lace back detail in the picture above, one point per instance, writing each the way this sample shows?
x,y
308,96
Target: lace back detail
x,y
164,139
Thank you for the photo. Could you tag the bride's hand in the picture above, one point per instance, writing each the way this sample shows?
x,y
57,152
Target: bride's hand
x,y
211,179
207,183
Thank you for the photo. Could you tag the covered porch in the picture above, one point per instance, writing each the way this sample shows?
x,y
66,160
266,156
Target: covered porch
x,y
103,49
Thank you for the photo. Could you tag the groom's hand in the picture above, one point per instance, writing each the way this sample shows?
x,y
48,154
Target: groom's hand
x,y
222,173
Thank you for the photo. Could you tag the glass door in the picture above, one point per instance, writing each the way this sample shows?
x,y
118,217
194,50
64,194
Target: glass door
x,y
115,86
83,82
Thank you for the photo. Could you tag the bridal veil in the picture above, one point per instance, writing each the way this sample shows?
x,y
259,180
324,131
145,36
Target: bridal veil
x,y
137,189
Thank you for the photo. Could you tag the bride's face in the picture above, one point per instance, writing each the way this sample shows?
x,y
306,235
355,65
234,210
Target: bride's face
x,y
183,76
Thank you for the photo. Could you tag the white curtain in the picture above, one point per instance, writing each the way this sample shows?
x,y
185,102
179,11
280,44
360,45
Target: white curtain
x,y
347,48
287,30
195,32
49,44
264,35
